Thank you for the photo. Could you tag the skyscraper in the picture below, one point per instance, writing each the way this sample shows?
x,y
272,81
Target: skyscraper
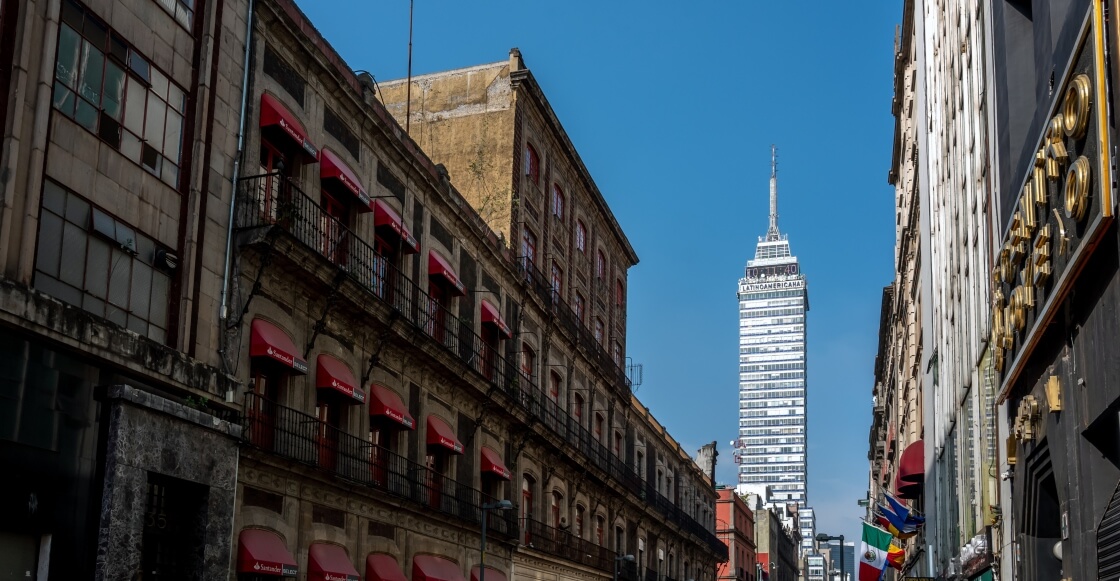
x,y
773,301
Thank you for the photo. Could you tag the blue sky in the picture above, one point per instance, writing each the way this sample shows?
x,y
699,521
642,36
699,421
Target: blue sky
x,y
673,107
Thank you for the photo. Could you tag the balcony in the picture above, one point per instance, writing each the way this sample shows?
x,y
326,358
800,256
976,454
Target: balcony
x,y
268,201
559,543
570,321
288,433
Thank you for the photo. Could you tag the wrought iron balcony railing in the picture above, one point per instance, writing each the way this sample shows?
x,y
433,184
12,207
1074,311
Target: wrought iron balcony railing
x,y
291,434
270,200
563,544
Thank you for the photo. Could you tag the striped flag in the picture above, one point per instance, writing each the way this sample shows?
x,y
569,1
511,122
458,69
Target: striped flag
x,y
873,552
896,556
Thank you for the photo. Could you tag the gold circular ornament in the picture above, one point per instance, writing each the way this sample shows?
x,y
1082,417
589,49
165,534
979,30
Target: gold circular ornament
x,y
1077,189
1075,108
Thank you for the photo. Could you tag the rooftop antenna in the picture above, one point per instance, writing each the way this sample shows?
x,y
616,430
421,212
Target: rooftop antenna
x,y
408,91
772,231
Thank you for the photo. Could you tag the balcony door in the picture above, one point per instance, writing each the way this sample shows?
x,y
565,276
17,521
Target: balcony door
x,y
333,226
267,382
330,419
275,169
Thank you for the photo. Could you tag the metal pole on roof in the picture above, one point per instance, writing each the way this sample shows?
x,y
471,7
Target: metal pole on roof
x,y
408,91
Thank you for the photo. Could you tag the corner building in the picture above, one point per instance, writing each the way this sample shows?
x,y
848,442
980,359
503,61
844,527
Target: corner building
x,y
406,368
115,156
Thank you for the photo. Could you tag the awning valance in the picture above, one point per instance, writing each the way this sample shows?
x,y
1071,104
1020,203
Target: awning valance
x,y
334,170
385,402
440,268
435,568
440,434
327,562
386,218
492,574
383,567
491,316
492,464
269,341
334,375
262,552
912,465
275,115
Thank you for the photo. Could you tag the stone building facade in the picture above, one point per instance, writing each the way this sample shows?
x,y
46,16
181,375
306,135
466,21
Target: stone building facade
x,y
406,371
115,162
777,547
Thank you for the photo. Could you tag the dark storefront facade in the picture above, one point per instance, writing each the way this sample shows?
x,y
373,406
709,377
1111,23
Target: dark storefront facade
x,y
1056,287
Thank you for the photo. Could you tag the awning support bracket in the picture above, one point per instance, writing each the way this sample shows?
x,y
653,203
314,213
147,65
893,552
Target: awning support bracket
x,y
321,324
266,261
382,340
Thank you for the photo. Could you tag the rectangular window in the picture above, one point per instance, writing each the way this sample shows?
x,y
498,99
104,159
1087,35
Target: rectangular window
x,y
181,10
93,261
619,293
386,178
557,281
337,128
581,236
600,265
104,85
598,330
528,247
284,74
580,307
557,201
528,361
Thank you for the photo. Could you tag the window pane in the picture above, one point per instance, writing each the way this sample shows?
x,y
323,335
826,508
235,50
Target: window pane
x,y
104,225
159,84
97,268
170,174
54,197
86,115
154,120
50,240
184,16
90,76
150,158
130,146
140,66
72,271
141,290
176,97
173,136
158,306
119,275
66,67
64,99
77,211
136,95
114,90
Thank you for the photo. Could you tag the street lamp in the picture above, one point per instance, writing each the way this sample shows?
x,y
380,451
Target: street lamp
x,y
823,538
617,560
496,505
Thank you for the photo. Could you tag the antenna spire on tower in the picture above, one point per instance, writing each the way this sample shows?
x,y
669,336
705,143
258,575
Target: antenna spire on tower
x,y
772,232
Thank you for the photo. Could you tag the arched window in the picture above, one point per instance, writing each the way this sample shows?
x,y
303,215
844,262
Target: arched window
x,y
577,408
598,428
557,201
578,525
554,386
532,164
528,361
599,522
557,505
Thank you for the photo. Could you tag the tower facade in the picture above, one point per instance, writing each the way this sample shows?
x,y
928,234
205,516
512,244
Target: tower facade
x,y
773,302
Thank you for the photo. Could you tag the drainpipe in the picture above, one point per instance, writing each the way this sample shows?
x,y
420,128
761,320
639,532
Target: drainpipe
x,y
223,311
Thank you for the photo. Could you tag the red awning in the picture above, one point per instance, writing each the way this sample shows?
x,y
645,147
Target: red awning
x,y
492,574
334,169
438,267
383,567
263,552
275,114
326,562
492,464
268,340
385,402
386,218
912,465
434,568
332,374
491,315
441,434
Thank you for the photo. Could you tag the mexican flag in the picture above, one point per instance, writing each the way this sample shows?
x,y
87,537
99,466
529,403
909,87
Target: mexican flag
x,y
873,552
